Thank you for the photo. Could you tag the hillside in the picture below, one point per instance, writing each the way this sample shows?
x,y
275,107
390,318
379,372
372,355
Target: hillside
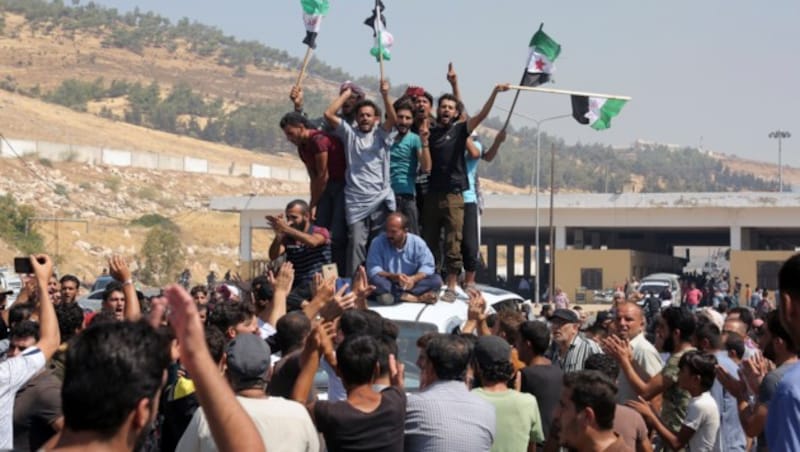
x,y
193,80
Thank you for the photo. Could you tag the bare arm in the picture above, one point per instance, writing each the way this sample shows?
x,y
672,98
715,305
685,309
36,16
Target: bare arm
x,y
282,287
674,440
620,350
50,337
452,78
309,363
230,425
391,115
473,151
476,120
425,161
279,224
330,113
119,270
276,248
498,140
320,179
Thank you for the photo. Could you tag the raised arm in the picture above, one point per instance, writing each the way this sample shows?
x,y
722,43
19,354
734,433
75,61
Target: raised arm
x,y
49,338
282,285
318,180
280,225
452,78
498,140
119,270
425,161
330,114
620,350
296,96
476,120
231,427
309,363
391,115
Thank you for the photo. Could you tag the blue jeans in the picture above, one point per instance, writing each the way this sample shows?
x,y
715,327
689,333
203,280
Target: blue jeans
x,y
384,285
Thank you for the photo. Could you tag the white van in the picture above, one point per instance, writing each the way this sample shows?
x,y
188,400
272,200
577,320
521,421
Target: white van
x,y
657,281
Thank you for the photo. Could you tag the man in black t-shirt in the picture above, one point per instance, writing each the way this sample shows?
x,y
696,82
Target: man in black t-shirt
x,y
444,202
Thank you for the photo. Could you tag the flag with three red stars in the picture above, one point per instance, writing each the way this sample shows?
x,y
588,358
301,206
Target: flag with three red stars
x,y
543,52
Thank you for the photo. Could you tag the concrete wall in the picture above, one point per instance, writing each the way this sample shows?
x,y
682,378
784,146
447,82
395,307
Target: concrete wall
x,y
744,264
12,148
617,266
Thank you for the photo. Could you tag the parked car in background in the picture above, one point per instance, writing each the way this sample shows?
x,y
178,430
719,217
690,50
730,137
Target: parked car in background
x,y
101,282
13,282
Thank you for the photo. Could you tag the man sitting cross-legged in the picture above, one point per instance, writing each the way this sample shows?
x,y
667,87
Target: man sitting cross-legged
x,y
400,265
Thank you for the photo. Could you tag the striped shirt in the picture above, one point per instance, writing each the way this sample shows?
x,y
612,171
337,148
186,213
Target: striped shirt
x,y
307,260
446,416
580,349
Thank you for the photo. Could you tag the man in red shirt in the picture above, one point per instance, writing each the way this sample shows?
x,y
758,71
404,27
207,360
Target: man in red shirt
x,y
323,155
693,297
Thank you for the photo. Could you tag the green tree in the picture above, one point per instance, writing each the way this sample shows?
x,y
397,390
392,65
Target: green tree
x,y
14,220
162,253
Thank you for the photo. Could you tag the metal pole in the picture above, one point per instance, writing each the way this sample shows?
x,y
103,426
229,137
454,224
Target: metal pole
x,y
537,255
780,166
552,227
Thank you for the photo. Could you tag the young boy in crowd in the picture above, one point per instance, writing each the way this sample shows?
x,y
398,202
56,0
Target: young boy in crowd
x,y
700,428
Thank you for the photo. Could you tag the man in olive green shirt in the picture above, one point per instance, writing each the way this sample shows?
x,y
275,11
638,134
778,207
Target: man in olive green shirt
x,y
518,422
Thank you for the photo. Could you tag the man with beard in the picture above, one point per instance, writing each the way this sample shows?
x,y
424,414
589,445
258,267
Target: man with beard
x,y
444,203
783,421
674,333
306,246
400,265
368,191
629,325
407,154
778,347
422,101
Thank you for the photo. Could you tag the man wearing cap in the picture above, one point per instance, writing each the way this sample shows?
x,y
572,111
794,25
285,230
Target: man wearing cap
x,y
283,424
570,349
519,425
368,190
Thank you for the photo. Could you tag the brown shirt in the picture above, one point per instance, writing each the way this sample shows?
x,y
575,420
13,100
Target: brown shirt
x,y
629,425
619,446
36,406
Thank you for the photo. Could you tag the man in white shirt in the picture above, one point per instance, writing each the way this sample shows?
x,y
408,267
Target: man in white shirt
x,y
16,371
284,425
630,324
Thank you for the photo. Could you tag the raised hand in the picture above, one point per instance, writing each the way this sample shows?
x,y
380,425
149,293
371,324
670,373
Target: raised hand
x,y
425,131
452,78
502,87
477,306
384,88
617,348
361,286
736,387
285,278
296,96
278,223
118,269
42,267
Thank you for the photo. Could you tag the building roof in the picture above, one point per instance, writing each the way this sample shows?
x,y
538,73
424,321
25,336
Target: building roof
x,y
566,201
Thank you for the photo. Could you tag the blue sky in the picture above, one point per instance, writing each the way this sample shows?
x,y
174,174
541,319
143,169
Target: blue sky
x,y
721,73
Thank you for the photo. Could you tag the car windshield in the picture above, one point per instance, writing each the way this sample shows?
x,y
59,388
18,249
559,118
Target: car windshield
x,y
652,286
409,332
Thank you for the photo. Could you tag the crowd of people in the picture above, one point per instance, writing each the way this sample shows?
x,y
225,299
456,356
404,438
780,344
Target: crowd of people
x,y
237,372
394,210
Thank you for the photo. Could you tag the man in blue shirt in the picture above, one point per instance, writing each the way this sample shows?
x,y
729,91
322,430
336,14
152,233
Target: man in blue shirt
x,y
401,266
783,417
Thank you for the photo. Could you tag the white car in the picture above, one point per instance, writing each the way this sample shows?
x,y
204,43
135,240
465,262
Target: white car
x,y
415,319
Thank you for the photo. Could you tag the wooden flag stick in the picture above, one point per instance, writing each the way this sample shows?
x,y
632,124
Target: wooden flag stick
x,y
570,93
380,57
306,60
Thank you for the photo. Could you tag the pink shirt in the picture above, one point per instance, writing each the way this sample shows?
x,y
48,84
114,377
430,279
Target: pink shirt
x,y
693,297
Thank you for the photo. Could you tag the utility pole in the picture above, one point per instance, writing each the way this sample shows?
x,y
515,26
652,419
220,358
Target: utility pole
x,y
552,288
56,221
780,135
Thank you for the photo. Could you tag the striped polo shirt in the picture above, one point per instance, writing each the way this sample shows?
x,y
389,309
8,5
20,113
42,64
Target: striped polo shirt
x,y
307,260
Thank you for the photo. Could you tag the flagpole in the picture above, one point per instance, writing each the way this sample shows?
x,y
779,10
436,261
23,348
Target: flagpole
x,y
513,104
570,93
379,35
306,60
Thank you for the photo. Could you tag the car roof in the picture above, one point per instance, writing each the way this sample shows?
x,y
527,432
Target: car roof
x,y
661,276
445,316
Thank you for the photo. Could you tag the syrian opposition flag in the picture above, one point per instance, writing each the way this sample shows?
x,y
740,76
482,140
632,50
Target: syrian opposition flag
x,y
543,53
383,39
313,12
596,111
